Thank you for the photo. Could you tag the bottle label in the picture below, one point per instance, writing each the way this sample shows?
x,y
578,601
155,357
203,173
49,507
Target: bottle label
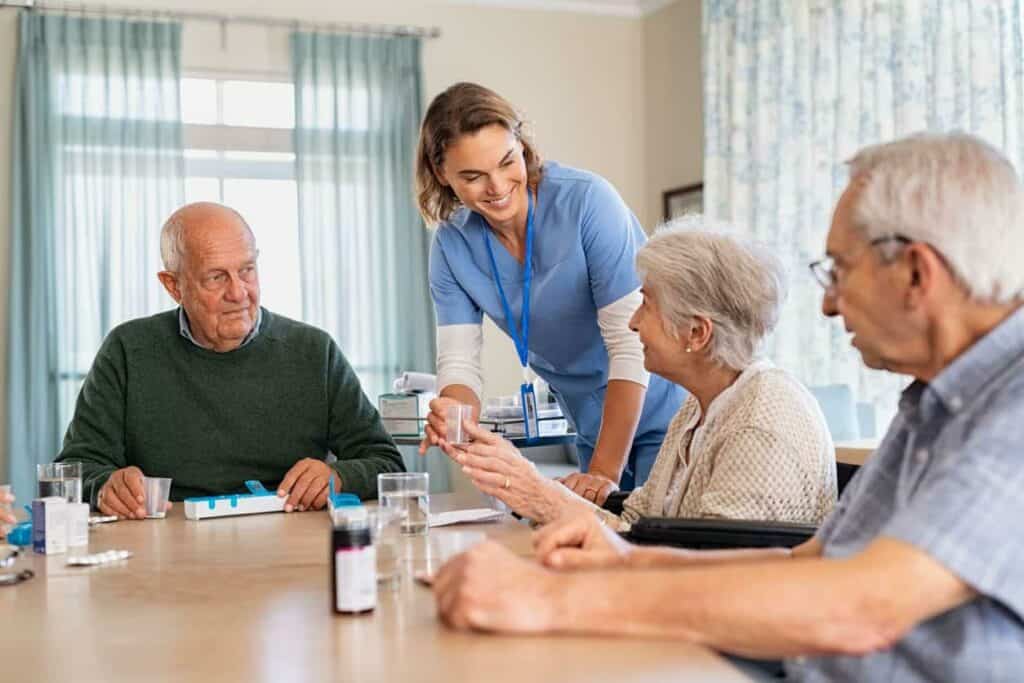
x,y
355,579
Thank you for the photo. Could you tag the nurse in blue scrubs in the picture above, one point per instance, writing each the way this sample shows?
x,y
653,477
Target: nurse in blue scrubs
x,y
546,252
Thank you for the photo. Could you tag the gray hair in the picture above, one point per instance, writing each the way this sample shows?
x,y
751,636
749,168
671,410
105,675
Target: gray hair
x,y
172,234
954,192
172,242
696,268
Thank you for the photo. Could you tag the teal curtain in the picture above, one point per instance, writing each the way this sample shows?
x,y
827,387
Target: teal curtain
x,y
98,164
363,247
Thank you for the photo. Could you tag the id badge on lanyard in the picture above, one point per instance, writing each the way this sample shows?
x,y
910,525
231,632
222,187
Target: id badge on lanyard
x,y
521,334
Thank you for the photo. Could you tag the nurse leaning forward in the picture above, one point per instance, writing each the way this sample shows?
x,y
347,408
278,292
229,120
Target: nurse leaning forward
x,y
547,252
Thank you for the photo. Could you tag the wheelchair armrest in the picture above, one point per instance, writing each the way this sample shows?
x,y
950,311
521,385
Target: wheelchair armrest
x,y
613,503
718,533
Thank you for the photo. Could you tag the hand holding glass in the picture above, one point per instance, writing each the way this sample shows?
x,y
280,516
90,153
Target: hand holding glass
x,y
6,511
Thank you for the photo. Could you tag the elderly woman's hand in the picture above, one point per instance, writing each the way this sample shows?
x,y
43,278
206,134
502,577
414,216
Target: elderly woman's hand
x,y
497,468
6,512
580,541
489,588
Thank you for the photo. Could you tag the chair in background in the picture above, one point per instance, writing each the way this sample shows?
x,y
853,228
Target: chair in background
x,y
840,410
866,419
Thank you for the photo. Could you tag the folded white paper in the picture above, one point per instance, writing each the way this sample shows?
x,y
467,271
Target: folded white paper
x,y
465,516
415,381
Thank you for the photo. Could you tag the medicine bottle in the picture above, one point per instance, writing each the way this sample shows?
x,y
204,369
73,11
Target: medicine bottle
x,y
353,569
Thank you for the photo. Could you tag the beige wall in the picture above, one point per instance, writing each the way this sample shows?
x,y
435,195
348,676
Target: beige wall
x,y
674,117
593,86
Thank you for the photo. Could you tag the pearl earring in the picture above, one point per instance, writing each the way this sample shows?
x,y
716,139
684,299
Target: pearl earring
x,y
688,349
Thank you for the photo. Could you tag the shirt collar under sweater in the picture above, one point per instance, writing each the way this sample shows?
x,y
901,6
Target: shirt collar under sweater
x,y
186,330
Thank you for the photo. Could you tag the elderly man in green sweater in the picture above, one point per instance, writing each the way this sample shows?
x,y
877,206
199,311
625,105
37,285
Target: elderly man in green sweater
x,y
220,390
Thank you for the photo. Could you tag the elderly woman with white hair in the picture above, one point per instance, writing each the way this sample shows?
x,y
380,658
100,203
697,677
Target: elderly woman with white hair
x,y
750,442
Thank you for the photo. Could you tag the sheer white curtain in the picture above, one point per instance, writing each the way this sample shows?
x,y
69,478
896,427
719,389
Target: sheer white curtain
x,y
794,87
98,165
362,245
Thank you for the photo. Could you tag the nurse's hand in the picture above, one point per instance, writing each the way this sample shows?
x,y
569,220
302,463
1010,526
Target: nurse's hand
x,y
592,486
497,468
436,428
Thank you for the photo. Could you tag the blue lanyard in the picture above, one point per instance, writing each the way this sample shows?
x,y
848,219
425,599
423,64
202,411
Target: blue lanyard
x,y
521,335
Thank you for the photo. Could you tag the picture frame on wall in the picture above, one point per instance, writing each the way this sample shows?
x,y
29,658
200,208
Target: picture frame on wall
x,y
682,200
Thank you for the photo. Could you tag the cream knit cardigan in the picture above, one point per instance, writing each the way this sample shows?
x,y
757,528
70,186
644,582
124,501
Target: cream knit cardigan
x,y
763,452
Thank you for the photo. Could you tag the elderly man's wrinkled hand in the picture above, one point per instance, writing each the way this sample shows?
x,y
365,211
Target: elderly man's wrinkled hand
x,y
580,541
591,486
489,588
497,468
305,485
124,494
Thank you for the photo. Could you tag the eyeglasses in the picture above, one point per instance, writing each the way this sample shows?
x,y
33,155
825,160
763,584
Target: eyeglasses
x,y
824,270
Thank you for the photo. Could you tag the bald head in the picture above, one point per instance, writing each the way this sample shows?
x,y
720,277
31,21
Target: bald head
x,y
195,221
209,256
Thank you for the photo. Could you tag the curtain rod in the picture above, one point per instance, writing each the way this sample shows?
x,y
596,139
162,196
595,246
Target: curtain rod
x,y
338,27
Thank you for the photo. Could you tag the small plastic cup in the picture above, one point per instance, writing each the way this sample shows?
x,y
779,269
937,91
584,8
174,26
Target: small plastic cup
x,y
158,490
455,415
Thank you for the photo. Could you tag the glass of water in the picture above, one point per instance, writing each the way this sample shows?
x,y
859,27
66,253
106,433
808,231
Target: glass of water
x,y
61,479
409,494
385,530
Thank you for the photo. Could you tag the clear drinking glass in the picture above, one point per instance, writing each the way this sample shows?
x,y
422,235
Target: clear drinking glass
x,y
444,546
453,419
385,530
408,493
61,479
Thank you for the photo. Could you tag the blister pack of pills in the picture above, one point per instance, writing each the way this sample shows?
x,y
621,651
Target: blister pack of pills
x,y
99,558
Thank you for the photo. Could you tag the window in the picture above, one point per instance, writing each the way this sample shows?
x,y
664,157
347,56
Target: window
x,y
239,153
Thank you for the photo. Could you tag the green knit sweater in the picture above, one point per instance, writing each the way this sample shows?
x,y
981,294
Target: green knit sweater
x,y
213,420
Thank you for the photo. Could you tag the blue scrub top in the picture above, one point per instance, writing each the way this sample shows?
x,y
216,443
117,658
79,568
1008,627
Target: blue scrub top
x,y
585,245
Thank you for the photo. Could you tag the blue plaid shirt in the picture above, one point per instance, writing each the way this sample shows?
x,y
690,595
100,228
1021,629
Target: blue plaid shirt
x,y
948,478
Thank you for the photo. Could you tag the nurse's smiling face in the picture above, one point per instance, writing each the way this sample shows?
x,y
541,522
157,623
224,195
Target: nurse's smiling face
x,y
487,172
661,350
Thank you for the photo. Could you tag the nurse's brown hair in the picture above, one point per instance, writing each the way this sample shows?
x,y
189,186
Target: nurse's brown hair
x,y
463,109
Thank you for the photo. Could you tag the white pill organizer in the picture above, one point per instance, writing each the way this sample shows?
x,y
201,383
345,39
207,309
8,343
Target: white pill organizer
x,y
257,501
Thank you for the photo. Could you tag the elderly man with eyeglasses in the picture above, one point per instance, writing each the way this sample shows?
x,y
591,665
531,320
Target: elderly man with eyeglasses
x,y
918,574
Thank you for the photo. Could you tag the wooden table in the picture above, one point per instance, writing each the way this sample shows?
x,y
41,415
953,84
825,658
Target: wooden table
x,y
246,599
855,452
